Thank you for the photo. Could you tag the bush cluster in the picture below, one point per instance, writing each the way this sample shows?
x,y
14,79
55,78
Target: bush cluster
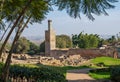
x,y
100,70
115,74
1,65
41,74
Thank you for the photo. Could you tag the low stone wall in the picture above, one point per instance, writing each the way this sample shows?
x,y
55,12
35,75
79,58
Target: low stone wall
x,y
58,53
87,53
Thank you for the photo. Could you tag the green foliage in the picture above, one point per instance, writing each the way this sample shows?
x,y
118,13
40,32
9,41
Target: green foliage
x,y
63,69
63,41
22,46
87,7
103,73
85,40
111,41
108,61
53,73
34,49
25,46
115,74
37,9
105,42
7,47
106,73
42,47
37,74
75,40
1,66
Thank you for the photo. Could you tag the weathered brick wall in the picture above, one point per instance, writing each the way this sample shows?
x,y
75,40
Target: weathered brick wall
x,y
91,53
87,53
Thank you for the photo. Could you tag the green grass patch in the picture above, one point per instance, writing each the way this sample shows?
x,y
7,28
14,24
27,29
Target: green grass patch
x,y
108,61
100,75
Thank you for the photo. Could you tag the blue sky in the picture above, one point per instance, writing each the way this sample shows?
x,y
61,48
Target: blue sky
x,y
64,24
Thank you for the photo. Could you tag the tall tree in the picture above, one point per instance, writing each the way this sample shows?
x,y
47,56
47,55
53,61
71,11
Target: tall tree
x,y
22,46
63,41
75,40
34,49
42,47
86,40
35,17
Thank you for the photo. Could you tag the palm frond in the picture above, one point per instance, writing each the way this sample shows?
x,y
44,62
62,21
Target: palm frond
x,y
2,25
88,7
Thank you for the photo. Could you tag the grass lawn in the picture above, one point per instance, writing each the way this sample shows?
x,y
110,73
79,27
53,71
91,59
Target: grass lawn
x,y
108,61
100,75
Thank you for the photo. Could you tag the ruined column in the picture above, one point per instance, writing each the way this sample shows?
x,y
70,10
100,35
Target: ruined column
x,y
49,24
50,39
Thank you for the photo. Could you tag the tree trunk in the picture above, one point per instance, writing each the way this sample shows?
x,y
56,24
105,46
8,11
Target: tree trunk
x,y
5,72
6,67
13,27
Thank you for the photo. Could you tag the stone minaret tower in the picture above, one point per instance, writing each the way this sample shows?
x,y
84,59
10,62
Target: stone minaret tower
x,y
50,39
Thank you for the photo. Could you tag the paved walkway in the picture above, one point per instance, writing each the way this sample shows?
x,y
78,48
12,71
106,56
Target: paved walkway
x,y
79,75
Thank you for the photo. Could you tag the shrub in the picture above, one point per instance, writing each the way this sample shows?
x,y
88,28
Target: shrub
x,y
41,74
101,73
101,70
37,74
1,65
115,74
100,64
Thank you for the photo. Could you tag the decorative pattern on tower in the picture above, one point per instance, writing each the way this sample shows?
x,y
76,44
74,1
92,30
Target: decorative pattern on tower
x,y
50,39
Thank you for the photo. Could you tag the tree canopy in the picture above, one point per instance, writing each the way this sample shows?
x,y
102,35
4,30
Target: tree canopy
x,y
38,9
87,7
42,47
86,40
22,46
63,41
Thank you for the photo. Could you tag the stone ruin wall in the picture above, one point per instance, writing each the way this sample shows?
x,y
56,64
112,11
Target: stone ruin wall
x,y
86,53
51,50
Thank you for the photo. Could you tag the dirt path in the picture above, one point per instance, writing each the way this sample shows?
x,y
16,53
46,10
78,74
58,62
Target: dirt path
x,y
79,75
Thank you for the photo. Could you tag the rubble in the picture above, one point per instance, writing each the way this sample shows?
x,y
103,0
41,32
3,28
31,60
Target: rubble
x,y
64,60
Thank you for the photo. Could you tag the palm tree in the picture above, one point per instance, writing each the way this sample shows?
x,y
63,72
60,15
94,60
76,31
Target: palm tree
x,y
5,72
38,14
19,22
